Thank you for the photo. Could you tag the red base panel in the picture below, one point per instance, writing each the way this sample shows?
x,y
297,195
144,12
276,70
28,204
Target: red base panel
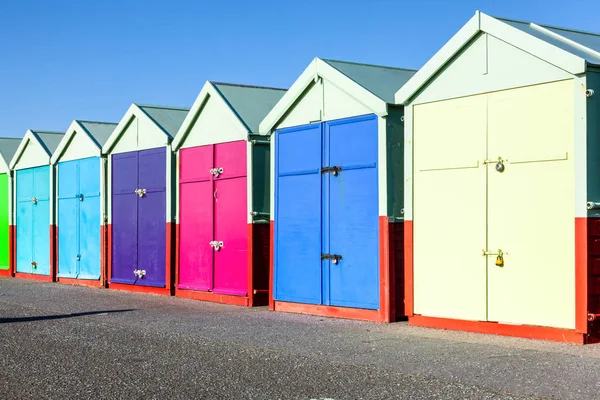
x,y
140,289
53,241
330,311
5,272
12,236
493,328
33,277
80,282
213,297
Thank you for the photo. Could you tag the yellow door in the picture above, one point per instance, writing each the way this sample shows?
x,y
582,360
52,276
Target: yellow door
x,y
449,210
531,206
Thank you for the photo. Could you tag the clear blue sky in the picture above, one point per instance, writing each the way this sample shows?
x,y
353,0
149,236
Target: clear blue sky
x,y
90,59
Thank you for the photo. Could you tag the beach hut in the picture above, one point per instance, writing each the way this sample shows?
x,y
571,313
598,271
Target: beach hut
x,y
140,196
223,196
502,189
8,147
80,203
336,210
34,205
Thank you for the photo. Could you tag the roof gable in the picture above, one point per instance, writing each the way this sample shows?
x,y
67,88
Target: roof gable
x,y
97,133
542,42
47,140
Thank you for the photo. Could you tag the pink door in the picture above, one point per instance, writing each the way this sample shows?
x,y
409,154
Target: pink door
x,y
230,223
196,218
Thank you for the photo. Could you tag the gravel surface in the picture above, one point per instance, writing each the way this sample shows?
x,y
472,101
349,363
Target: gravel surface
x,y
67,342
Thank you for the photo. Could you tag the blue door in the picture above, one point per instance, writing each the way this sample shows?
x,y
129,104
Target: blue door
x,y
33,220
79,218
326,214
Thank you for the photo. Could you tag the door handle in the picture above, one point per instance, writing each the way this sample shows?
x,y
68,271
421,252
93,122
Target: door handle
x,y
216,171
80,197
140,192
216,245
335,258
34,200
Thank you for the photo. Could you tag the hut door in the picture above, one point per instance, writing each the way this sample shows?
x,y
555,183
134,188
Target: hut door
x,y
88,200
152,232
24,216
350,213
4,222
230,219
68,219
531,206
41,221
196,218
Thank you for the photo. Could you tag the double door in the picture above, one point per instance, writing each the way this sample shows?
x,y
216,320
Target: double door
x,y
326,214
213,219
79,218
139,217
33,220
4,222
494,207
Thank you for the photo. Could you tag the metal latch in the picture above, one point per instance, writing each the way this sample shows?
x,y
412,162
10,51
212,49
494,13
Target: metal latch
x,y
216,171
80,197
216,245
139,273
34,264
334,170
34,200
333,257
140,192
78,257
499,163
499,256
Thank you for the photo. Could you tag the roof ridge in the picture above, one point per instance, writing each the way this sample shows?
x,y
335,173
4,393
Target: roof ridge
x,y
246,86
163,107
548,26
8,137
369,65
51,132
96,122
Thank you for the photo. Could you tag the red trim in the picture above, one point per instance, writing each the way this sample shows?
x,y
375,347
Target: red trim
x,y
140,289
408,269
271,262
33,277
103,251
213,297
524,331
387,300
177,250
5,272
328,311
80,282
108,253
12,239
170,257
250,264
581,275
53,240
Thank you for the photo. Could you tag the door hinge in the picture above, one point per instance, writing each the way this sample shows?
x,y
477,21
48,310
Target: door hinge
x,y
334,170
333,257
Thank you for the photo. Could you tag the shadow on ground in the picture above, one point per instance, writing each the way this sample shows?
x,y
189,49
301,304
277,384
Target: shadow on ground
x,y
60,316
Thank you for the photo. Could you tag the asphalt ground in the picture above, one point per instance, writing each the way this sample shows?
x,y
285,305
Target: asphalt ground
x,y
67,342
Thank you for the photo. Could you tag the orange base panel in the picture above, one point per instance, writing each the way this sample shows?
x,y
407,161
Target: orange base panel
x,y
33,277
140,289
80,282
493,328
329,311
213,297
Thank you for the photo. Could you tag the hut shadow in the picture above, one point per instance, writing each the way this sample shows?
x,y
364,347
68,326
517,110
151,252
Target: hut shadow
x,y
61,316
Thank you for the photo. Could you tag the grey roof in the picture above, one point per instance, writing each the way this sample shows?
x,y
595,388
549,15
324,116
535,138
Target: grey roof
x,y
250,103
49,139
168,118
8,148
100,131
587,45
382,81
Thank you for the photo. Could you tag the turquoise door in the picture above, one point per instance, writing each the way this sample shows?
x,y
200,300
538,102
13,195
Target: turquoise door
x,y
33,220
79,218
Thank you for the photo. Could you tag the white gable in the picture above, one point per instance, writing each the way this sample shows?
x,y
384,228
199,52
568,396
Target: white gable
x,y
80,145
33,155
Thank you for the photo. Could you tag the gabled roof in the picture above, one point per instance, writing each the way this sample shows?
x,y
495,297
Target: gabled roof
x,y
98,132
248,105
372,85
570,50
48,140
8,148
167,119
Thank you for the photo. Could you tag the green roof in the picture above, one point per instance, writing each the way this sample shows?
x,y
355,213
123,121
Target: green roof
x,y
100,131
250,103
8,148
49,139
382,81
168,118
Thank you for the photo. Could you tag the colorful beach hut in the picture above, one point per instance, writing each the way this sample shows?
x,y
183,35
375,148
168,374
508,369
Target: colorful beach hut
x,y
8,147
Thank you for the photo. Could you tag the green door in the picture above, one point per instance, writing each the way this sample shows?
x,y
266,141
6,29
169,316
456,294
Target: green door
x,y
4,245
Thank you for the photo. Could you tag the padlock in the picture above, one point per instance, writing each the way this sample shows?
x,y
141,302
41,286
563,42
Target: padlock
x,y
500,261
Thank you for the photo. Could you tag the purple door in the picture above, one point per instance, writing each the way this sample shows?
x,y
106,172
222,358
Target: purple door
x,y
138,219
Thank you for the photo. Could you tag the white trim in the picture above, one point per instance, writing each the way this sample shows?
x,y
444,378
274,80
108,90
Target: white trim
x,y
565,40
29,135
484,23
208,91
408,163
320,69
580,146
66,141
